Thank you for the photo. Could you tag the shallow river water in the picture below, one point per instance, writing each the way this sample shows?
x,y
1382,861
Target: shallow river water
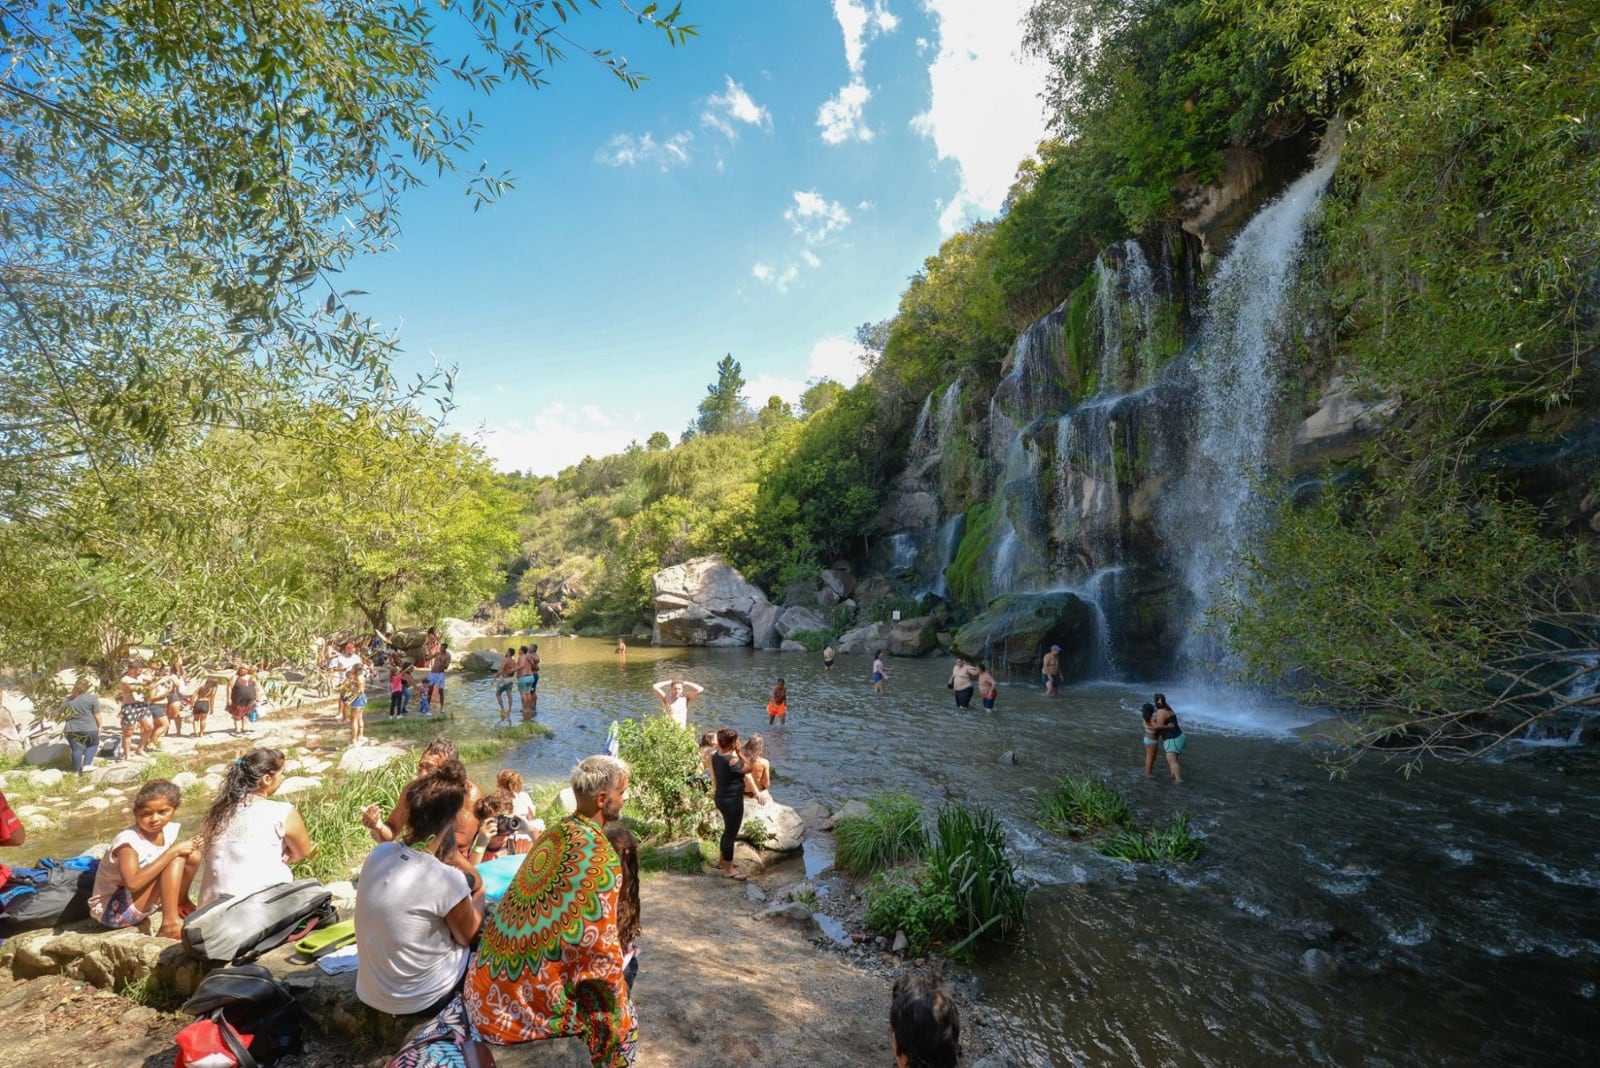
x,y
1462,906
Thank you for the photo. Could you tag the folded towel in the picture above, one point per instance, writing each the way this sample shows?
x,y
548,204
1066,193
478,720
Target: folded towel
x,y
341,960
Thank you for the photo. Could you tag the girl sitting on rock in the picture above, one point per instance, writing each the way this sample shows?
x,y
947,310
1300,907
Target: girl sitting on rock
x,y
147,868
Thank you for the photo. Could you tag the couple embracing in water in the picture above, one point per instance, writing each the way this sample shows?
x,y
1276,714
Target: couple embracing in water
x,y
1161,729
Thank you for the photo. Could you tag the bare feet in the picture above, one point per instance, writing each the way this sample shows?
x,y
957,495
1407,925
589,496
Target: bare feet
x,y
172,931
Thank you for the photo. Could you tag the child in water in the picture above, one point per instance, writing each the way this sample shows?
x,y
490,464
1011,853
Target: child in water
x,y
778,706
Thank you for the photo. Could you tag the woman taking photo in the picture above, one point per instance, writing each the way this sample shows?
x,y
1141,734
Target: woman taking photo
x,y
728,777
251,839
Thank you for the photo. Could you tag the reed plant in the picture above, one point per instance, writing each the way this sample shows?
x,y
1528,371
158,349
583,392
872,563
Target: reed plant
x,y
1176,843
969,862
1083,803
891,832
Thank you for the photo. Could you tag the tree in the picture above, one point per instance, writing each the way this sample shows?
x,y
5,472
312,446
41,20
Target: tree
x,y
658,441
819,395
182,184
398,519
723,409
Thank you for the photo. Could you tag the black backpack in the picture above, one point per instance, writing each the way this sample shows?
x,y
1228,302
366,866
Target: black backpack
x,y
246,999
231,930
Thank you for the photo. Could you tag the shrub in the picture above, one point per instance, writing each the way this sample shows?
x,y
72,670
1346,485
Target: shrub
x,y
891,832
332,814
1083,803
667,785
811,639
1176,843
969,862
899,901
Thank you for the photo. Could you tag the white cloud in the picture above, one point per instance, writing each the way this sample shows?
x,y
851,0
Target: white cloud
x,y
840,116
815,217
984,112
837,358
811,258
779,280
860,25
734,106
560,436
625,150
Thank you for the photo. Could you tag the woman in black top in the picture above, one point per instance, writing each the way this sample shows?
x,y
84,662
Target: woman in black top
x,y
728,774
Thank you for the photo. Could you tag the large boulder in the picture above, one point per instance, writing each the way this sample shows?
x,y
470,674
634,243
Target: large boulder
x,y
704,602
481,660
457,633
1017,630
918,636
764,626
797,618
784,828
867,639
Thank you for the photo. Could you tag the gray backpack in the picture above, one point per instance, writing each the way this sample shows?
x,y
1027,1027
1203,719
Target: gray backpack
x,y
234,929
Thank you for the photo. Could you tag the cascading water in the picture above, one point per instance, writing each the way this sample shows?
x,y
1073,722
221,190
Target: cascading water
x,y
1214,511
1125,291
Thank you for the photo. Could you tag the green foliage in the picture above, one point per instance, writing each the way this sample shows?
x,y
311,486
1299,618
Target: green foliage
x,y
755,832
1174,844
813,640
1085,803
950,317
1430,620
969,862
883,609
967,577
902,900
966,890
654,858
332,814
723,410
890,833
668,785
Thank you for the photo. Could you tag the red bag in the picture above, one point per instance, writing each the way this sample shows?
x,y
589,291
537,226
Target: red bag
x,y
212,1042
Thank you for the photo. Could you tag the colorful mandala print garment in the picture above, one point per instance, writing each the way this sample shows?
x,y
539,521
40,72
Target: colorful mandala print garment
x,y
549,962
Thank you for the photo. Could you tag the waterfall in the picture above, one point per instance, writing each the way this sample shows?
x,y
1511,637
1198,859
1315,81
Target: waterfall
x,y
1015,567
1124,284
945,548
923,442
1212,517
1088,494
902,552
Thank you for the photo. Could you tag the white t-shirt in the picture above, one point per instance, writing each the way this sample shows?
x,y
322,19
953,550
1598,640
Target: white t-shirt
x,y
407,957
522,805
108,877
248,855
345,661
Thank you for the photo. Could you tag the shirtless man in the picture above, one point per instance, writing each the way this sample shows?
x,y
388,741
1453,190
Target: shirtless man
x,y
988,688
528,680
505,683
158,695
962,676
135,710
436,670
675,695
1051,669
385,829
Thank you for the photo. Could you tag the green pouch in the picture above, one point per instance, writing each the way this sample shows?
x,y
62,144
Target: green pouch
x,y
325,940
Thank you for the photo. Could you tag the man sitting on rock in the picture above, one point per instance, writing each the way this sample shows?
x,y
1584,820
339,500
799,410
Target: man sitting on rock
x,y
550,963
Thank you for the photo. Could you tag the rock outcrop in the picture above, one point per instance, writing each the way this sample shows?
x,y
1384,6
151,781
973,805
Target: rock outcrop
x,y
918,636
783,830
1018,629
704,602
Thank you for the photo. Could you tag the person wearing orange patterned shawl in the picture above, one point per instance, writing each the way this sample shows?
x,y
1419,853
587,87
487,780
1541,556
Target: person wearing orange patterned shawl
x,y
549,962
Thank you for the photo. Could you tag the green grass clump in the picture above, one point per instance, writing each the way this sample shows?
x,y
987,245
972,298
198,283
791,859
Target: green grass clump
x,y
902,901
969,862
811,639
655,858
890,833
1083,803
1174,844
332,814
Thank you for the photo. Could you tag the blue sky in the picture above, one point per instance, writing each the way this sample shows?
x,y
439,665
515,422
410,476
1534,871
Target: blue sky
x,y
770,187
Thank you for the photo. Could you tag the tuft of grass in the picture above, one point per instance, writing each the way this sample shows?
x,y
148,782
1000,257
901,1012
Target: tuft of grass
x,y
659,858
1174,844
161,766
890,833
969,862
332,814
811,639
903,900
1083,803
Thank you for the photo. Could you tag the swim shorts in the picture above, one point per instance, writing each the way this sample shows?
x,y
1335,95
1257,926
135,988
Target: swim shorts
x,y
504,686
133,712
436,678
120,911
1174,745
527,683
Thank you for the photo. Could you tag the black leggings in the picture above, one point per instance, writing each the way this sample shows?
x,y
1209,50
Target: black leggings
x,y
732,819
396,699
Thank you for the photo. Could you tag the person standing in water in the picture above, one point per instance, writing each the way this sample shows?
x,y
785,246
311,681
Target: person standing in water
x,y
681,692
1172,738
778,706
1050,668
988,688
961,679
827,657
880,674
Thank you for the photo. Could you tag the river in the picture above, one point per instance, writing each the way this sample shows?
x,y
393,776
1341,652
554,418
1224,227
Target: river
x,y
1461,906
